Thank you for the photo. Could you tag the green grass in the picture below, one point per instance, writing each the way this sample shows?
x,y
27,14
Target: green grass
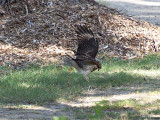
x,y
39,85
59,118
156,111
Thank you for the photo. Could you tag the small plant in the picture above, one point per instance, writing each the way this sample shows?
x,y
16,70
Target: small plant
x,y
59,118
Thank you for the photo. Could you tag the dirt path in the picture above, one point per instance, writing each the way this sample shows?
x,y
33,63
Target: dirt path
x,y
148,10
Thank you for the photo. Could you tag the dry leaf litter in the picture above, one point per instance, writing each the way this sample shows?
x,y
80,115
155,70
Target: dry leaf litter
x,y
48,32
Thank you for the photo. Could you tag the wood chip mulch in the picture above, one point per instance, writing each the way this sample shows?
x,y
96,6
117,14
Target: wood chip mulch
x,y
48,32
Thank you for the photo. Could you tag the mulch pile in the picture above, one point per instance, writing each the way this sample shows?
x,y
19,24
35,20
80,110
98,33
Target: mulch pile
x,y
48,32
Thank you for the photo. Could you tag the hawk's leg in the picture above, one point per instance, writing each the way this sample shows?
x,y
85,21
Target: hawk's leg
x,y
86,75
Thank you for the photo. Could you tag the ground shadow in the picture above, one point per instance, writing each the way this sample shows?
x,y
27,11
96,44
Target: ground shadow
x,y
104,87
78,113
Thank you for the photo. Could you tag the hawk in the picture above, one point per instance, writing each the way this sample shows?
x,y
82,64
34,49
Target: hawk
x,y
84,61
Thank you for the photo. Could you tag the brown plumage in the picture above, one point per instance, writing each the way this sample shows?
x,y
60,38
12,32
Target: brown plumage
x,y
85,61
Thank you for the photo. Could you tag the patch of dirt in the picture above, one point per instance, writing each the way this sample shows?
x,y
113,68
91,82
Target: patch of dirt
x,y
33,112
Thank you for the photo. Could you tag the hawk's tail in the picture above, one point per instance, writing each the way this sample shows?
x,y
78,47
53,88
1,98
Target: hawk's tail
x,y
83,32
67,60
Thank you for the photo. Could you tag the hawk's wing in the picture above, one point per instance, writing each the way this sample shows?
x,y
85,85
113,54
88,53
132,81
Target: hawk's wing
x,y
87,44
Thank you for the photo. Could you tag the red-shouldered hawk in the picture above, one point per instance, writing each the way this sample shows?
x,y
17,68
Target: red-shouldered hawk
x,y
85,61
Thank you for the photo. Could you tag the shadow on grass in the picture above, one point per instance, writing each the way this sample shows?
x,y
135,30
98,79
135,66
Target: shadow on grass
x,y
46,85
38,85
127,109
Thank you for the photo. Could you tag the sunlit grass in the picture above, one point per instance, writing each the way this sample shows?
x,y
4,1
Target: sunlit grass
x,y
37,84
